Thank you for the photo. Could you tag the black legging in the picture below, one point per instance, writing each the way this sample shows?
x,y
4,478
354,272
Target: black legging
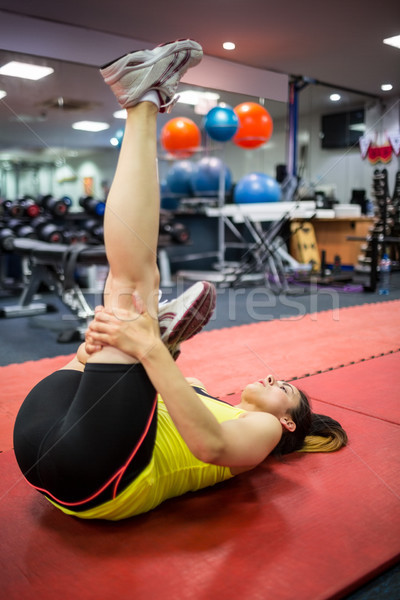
x,y
80,438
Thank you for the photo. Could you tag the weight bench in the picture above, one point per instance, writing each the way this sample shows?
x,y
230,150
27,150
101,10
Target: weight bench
x,y
55,266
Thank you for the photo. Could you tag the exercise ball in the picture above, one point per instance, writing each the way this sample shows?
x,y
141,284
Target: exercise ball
x,y
257,187
179,178
168,200
255,125
221,123
181,137
207,174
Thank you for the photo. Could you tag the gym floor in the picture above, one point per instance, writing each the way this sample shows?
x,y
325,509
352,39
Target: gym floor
x,y
36,337
235,306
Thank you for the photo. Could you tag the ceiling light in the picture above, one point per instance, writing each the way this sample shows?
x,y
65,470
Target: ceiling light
x,y
114,141
393,41
386,87
358,127
334,97
3,94
120,114
25,70
228,46
193,97
90,126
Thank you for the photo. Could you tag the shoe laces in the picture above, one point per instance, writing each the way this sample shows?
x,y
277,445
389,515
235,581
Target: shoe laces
x,y
169,105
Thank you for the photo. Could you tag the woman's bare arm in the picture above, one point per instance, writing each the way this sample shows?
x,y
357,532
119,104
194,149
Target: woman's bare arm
x,y
242,442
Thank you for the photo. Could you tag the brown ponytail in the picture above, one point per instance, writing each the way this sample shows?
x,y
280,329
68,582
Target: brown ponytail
x,y
313,433
325,435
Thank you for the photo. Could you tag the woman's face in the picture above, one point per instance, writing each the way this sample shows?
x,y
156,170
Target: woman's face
x,y
271,396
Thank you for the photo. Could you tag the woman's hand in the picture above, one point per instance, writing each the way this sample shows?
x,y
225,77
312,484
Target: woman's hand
x,y
89,347
133,331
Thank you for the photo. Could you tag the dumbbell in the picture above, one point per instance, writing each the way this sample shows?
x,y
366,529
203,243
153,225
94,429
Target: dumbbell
x,y
7,237
30,208
58,208
75,237
95,229
14,209
47,231
92,206
21,229
5,206
26,207
177,231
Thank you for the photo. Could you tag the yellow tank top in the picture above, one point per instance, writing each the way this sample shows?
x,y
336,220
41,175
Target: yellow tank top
x,y
172,471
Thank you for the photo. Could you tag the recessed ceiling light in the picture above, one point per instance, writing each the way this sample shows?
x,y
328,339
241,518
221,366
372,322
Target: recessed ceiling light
x,y
334,97
25,70
386,87
193,97
3,94
393,41
90,126
120,114
358,127
228,46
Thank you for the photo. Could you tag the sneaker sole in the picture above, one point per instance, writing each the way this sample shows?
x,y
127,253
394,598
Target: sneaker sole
x,y
203,308
147,58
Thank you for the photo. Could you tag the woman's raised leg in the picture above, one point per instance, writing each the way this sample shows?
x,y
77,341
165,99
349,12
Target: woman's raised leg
x,y
132,214
131,223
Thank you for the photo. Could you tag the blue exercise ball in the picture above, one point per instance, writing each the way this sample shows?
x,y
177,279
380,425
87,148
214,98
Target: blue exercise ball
x,y
179,178
257,187
221,123
168,200
207,174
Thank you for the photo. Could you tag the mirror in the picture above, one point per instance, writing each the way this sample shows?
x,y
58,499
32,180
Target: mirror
x,y
40,153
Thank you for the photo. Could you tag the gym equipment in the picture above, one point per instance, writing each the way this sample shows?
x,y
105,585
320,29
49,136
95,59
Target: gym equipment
x,y
209,175
58,208
257,187
179,178
180,137
47,231
221,123
255,125
60,252
22,229
95,229
93,206
54,265
384,233
175,231
7,237
26,207
169,201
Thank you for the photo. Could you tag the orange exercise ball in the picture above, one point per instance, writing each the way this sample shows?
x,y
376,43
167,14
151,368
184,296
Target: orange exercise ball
x,y
181,137
255,125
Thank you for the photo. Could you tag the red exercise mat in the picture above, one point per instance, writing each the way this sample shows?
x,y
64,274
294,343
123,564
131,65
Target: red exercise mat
x,y
311,526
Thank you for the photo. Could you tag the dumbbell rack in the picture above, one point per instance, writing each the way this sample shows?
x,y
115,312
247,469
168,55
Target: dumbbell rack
x,y
386,222
385,232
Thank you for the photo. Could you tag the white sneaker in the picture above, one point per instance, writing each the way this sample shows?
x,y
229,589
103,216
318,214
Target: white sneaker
x,y
160,69
182,318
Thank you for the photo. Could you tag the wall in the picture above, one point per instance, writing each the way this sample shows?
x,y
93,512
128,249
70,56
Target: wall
x,y
64,179
345,170
100,167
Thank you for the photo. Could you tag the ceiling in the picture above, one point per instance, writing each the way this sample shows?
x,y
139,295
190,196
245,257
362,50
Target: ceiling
x,y
337,43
